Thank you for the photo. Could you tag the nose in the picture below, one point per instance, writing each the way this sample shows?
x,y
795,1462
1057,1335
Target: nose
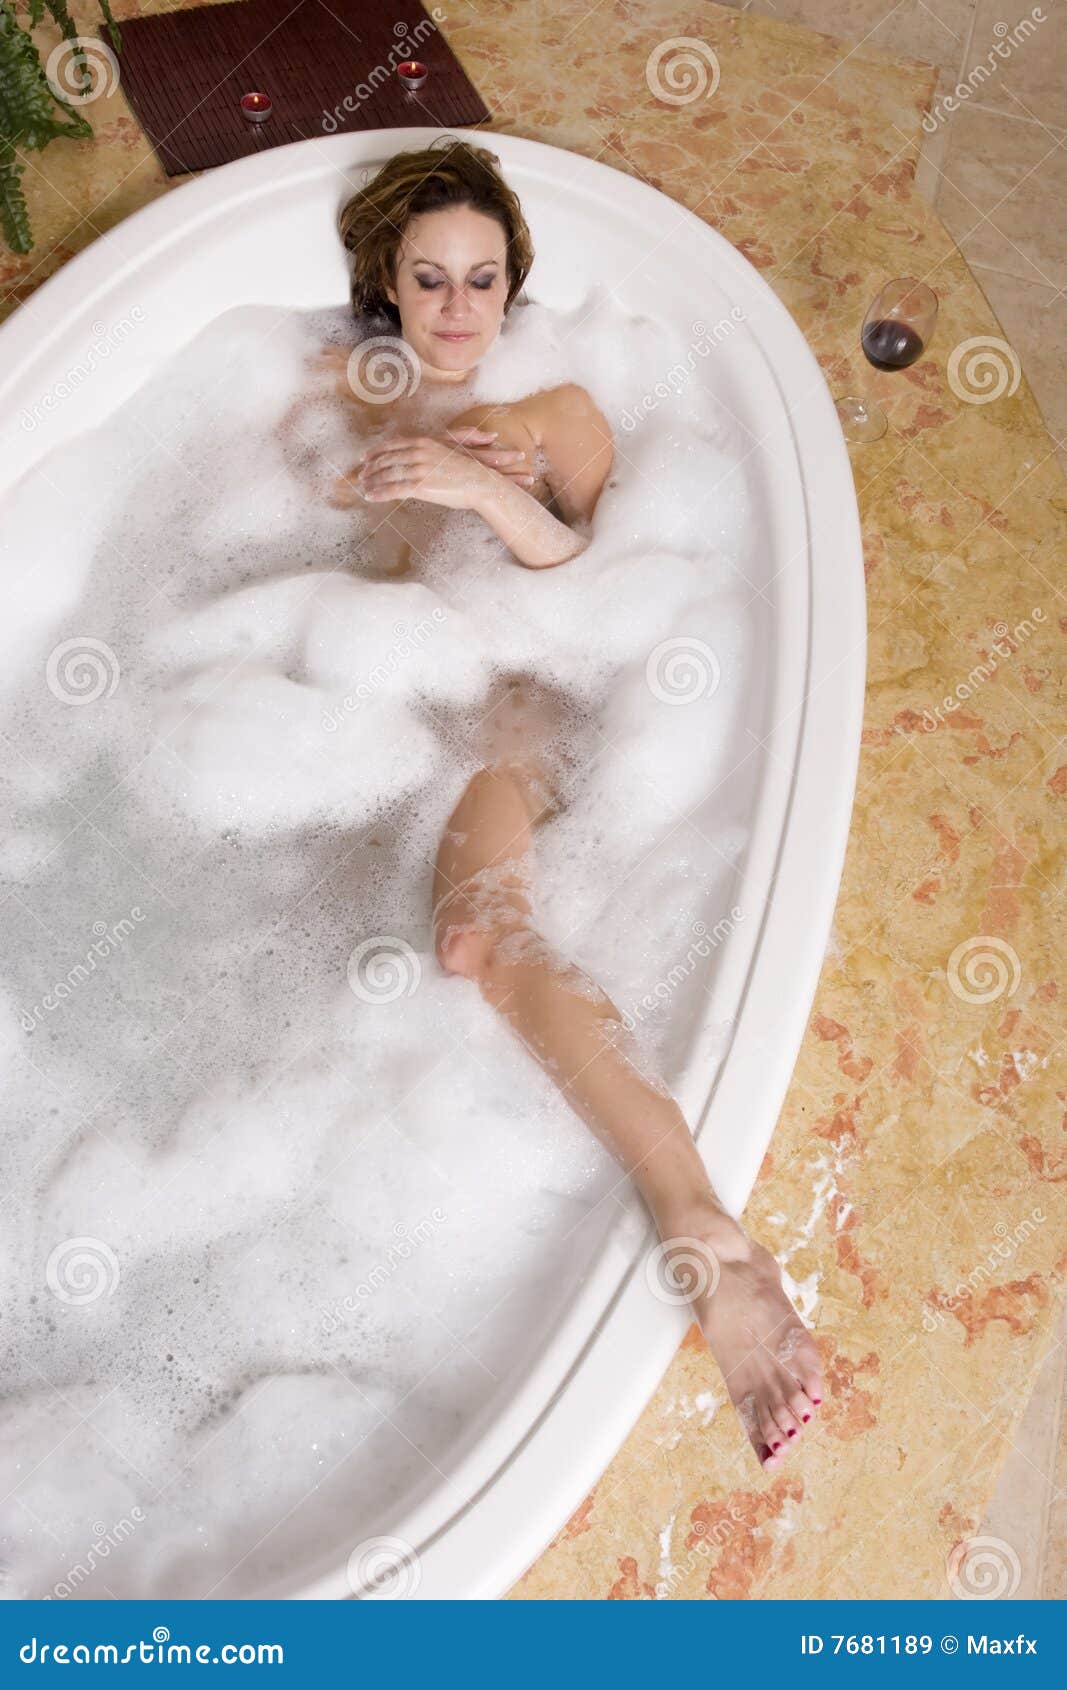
x,y
455,304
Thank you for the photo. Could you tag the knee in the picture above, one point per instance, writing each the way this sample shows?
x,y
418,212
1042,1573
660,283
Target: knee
x,y
463,950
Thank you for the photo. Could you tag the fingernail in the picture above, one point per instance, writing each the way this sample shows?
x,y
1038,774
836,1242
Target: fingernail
x,y
792,1432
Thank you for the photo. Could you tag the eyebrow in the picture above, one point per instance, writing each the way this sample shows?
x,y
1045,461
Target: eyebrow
x,y
482,262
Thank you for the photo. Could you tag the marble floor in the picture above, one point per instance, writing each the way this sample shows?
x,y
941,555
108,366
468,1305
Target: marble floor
x,y
993,158
993,161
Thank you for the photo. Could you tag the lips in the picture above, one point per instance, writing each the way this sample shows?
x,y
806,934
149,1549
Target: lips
x,y
443,334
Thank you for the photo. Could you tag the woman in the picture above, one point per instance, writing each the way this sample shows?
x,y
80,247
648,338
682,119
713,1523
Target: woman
x,y
441,250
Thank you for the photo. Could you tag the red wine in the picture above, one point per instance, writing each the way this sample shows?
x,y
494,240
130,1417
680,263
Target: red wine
x,y
890,345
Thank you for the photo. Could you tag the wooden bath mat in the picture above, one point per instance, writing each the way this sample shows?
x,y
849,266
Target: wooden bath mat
x,y
184,72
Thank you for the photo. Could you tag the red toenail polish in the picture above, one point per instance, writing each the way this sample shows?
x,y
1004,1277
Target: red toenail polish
x,y
792,1432
777,1446
805,1418
816,1401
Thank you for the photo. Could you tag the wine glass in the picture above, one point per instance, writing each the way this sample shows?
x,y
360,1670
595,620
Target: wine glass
x,y
896,331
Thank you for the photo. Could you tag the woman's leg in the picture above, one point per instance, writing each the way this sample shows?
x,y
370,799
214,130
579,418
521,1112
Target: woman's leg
x,y
483,930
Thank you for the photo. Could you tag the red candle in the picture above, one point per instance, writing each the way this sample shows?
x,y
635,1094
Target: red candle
x,y
256,107
412,73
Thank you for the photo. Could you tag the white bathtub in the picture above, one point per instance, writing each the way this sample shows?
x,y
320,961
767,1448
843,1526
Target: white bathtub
x,y
262,230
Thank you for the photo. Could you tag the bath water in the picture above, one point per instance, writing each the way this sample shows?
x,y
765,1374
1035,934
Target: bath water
x,y
287,1211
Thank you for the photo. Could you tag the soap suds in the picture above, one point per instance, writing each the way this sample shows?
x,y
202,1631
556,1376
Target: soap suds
x,y
330,1204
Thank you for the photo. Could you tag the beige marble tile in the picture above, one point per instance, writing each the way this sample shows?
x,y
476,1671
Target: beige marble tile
x,y
1003,182
936,139
1028,75
1023,1505
934,31
1054,1581
1034,320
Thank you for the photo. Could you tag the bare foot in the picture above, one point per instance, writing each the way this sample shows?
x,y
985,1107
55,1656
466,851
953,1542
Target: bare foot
x,y
769,1360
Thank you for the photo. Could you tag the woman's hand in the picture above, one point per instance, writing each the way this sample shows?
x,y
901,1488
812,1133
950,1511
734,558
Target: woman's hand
x,y
509,461
459,475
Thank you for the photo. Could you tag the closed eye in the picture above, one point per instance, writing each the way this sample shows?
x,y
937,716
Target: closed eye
x,y
430,287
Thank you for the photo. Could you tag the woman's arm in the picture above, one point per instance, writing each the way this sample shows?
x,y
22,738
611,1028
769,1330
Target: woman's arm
x,y
562,423
574,436
531,533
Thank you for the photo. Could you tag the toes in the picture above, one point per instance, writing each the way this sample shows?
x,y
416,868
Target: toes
x,y
772,1434
801,1407
786,1420
811,1380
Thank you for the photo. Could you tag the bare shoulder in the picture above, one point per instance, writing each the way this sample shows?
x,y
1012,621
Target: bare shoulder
x,y
575,437
561,407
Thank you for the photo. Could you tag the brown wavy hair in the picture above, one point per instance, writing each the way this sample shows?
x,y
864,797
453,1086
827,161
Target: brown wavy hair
x,y
372,223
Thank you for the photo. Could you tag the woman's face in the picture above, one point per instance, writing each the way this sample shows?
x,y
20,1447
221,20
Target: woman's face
x,y
451,281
